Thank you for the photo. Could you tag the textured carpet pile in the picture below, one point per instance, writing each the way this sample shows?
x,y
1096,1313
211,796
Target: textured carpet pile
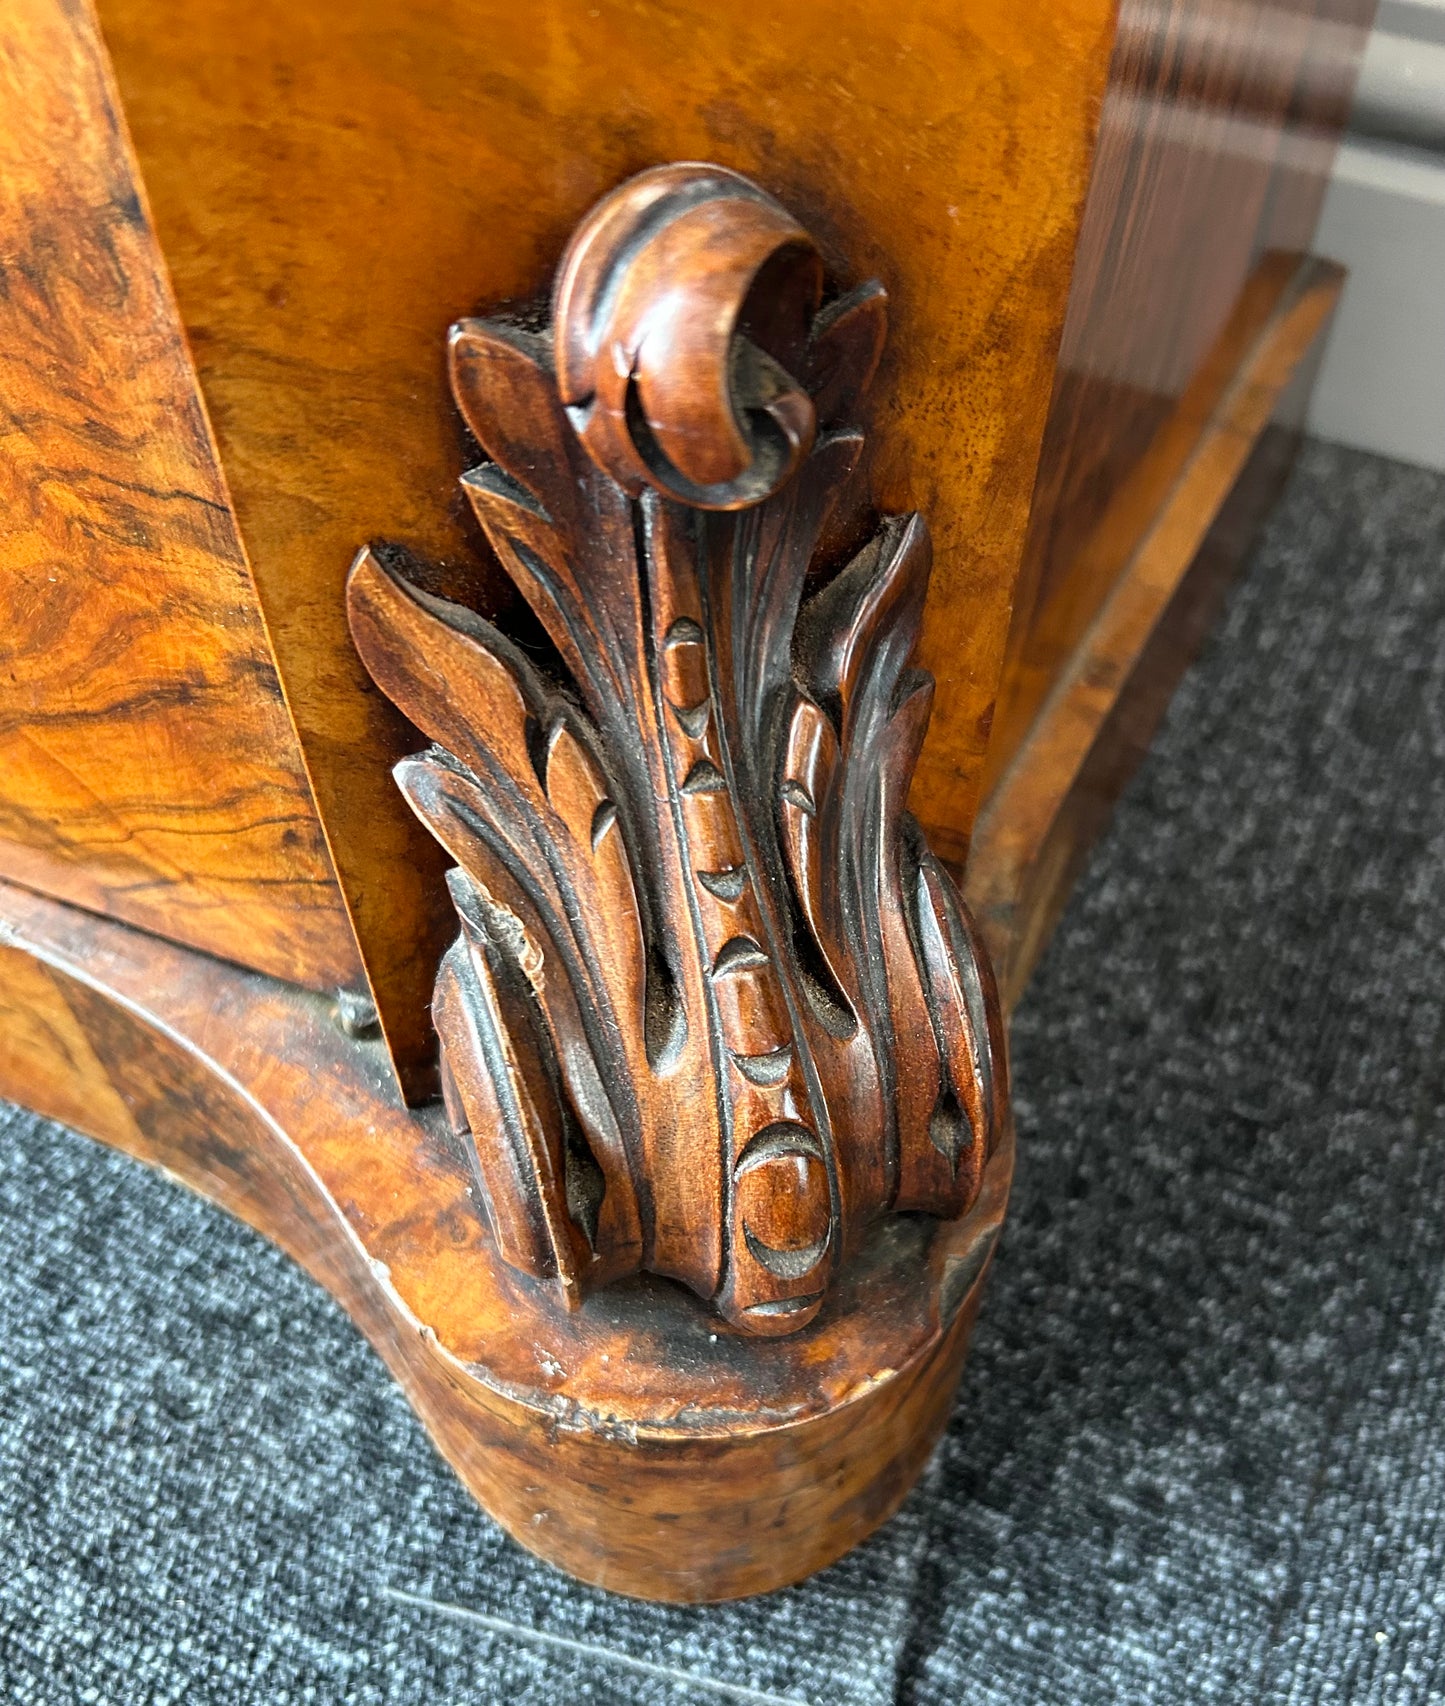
x,y
1199,1451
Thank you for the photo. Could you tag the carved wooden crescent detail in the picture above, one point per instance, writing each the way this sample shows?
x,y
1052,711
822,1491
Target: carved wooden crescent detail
x,y
714,1007
681,306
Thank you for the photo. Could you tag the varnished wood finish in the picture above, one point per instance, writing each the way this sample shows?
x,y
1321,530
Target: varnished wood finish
x,y
337,181
1214,149
632,1445
1096,723
148,768
715,1007
335,185
639,1442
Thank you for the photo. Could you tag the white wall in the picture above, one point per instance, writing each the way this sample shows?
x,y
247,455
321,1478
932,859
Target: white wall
x,y
1382,385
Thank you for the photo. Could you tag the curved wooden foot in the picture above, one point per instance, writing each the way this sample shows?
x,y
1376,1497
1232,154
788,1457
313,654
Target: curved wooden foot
x,y
638,1441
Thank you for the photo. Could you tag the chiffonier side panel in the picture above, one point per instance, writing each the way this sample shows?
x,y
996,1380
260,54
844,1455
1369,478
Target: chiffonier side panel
x,y
335,183
1215,146
148,768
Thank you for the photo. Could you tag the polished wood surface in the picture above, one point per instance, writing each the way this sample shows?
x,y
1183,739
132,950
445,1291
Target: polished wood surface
x,y
148,768
1097,721
637,1440
640,1443
715,1008
1214,150
687,890
334,184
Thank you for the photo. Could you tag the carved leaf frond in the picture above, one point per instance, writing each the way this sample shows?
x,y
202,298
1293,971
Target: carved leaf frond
x,y
450,672
856,640
964,1004
547,511
503,384
758,601
508,1104
714,1007
844,350
861,629
517,796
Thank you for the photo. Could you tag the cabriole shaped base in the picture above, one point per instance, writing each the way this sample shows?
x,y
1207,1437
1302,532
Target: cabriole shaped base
x,y
638,1443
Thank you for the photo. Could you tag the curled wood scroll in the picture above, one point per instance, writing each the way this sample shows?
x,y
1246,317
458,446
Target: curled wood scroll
x,y
714,1007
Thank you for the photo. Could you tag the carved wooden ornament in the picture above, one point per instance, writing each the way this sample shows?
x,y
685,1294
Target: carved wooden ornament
x,y
714,1007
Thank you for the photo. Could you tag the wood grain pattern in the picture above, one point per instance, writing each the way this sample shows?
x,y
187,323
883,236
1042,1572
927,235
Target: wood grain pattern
x,y
335,184
1215,145
771,1456
1136,489
149,767
1097,722
715,1007
639,1442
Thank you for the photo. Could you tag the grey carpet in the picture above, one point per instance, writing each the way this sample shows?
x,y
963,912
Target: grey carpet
x,y
1199,1454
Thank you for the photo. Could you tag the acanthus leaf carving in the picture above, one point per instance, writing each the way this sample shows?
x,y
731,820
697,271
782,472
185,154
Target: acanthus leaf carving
x,y
714,1007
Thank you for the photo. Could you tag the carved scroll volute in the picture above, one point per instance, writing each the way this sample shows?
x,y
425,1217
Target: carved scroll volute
x,y
671,381
714,1007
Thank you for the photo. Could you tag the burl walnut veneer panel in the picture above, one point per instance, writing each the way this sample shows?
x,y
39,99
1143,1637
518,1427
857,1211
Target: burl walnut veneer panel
x,y
715,1012
149,767
336,183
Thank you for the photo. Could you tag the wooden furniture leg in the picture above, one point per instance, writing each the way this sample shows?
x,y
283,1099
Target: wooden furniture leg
x,y
561,1346
719,1044
640,1444
668,1189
